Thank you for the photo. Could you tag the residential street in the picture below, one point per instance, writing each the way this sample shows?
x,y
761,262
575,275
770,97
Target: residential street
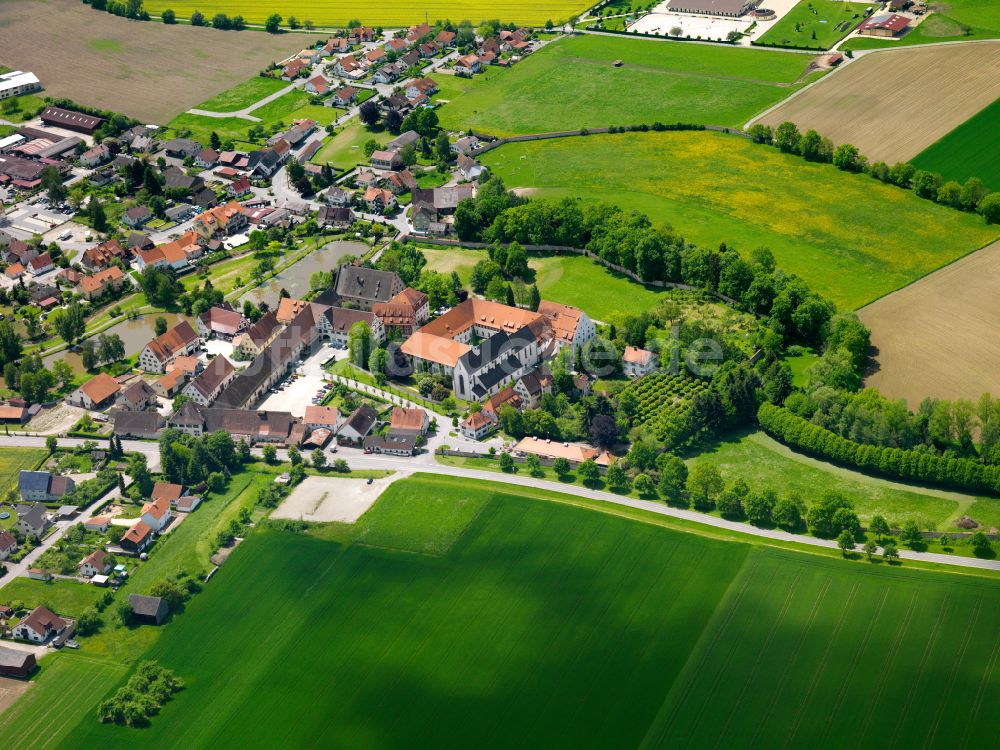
x,y
426,462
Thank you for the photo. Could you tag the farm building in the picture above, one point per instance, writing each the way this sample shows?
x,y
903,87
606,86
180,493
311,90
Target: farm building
x,y
14,663
885,24
729,8
151,610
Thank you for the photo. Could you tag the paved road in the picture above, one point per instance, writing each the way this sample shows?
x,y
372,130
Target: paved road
x,y
426,463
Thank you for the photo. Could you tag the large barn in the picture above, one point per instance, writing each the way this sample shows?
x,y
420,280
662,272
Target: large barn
x,y
728,8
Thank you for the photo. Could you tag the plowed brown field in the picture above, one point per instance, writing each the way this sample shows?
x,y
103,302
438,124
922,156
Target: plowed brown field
x,y
148,70
938,336
894,104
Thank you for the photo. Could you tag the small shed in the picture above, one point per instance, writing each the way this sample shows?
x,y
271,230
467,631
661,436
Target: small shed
x,y
152,610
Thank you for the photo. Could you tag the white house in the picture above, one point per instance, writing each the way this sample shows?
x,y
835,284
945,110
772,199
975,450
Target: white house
x,y
96,563
39,626
156,514
637,363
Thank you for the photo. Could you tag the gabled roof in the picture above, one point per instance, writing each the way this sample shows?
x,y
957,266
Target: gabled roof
x,y
139,392
137,533
322,415
42,620
176,339
634,355
95,559
362,420
403,418
366,283
100,387
148,606
166,491
213,376
222,319
157,508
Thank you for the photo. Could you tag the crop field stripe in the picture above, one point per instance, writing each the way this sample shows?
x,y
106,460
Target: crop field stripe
x,y
820,672
803,632
737,703
984,684
956,664
848,683
928,648
700,655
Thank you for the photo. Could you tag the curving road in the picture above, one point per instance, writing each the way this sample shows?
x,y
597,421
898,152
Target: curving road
x,y
426,463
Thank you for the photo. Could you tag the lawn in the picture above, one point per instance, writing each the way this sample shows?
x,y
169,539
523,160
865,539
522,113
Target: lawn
x,y
404,13
815,24
20,108
573,84
489,618
61,596
767,464
243,95
970,150
958,21
346,149
825,225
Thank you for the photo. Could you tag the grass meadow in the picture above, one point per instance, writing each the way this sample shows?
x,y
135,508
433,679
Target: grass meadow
x,y
767,464
825,225
815,23
13,460
970,150
346,149
569,279
956,21
402,13
658,82
243,95
481,617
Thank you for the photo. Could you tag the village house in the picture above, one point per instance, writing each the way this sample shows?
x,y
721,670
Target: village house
x,y
469,169
138,397
477,426
240,423
317,85
468,65
322,418
177,375
206,158
156,514
405,312
102,255
294,69
407,421
97,393
637,363
39,626
137,539
8,544
137,216
142,425
43,486
221,321
257,336
386,160
40,264
364,287
533,385
181,340
575,453
343,96
207,386
379,200
392,444
96,563
357,426
220,221
335,216
176,254
168,491
95,156
97,523
103,282
334,324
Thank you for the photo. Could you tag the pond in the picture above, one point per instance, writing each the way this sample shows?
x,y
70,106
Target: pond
x,y
135,334
295,278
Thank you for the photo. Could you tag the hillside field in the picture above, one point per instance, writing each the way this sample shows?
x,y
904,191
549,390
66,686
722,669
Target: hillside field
x,y
815,23
893,105
486,618
392,14
573,84
970,150
825,225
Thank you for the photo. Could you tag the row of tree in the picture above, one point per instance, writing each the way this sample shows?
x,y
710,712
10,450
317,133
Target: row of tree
x,y
189,460
909,464
971,196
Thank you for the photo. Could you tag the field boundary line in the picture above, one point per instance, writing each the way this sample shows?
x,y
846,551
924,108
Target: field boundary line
x,y
984,683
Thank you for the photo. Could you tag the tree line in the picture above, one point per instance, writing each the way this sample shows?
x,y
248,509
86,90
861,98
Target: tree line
x,y
901,463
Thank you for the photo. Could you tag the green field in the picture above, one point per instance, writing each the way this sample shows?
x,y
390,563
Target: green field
x,y
345,149
815,24
970,150
486,618
13,460
767,464
243,95
956,21
66,696
291,106
402,13
825,225
572,84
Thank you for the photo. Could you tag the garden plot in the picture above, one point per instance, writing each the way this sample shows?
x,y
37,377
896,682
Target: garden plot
x,y
325,499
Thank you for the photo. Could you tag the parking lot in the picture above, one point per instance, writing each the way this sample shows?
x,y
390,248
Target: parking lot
x,y
297,391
